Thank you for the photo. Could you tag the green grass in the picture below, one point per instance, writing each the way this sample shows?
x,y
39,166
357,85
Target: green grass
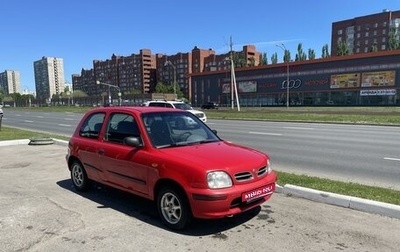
x,y
358,115
7,133
345,188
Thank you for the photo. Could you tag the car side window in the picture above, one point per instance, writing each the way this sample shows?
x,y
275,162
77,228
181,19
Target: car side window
x,y
91,127
121,126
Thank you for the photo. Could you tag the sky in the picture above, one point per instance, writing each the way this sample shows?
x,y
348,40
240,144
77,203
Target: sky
x,y
87,30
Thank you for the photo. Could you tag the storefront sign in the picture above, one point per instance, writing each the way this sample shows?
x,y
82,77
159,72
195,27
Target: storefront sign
x,y
378,92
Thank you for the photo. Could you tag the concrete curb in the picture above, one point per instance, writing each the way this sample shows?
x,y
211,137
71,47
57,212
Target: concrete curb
x,y
27,141
355,203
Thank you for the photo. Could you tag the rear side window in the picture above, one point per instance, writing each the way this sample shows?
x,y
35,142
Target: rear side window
x,y
160,104
92,126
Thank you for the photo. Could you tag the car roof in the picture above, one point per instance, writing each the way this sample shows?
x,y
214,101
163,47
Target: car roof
x,y
135,109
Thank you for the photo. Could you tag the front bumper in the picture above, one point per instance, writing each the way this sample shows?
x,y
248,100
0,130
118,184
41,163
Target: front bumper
x,y
211,204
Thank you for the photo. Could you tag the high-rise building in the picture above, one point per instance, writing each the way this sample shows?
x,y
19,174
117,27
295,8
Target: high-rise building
x,y
10,82
367,33
49,77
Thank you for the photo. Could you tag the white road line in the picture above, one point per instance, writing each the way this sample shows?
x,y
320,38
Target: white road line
x,y
264,133
298,128
64,125
28,121
40,116
393,159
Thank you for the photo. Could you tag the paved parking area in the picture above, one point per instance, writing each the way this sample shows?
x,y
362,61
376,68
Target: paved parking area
x,y
40,211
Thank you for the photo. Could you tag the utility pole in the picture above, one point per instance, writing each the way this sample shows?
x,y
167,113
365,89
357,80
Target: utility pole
x,y
233,78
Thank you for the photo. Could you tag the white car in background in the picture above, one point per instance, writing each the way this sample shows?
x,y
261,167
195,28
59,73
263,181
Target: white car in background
x,y
178,105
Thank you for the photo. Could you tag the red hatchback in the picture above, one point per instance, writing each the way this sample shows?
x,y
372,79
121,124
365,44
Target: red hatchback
x,y
171,157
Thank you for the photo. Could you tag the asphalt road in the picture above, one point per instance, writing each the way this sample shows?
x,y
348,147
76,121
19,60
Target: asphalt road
x,y
353,153
40,211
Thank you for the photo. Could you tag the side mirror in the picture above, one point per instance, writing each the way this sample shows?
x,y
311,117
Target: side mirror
x,y
133,141
215,131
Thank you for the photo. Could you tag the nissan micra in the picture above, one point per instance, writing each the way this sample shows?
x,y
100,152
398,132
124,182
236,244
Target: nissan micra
x,y
154,153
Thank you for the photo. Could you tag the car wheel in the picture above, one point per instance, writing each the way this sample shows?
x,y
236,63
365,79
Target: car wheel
x,y
173,208
79,177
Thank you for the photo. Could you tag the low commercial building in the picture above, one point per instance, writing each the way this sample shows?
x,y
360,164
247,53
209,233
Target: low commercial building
x,y
358,80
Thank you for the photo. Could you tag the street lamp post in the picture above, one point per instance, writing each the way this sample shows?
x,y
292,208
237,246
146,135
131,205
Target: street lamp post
x,y
109,91
172,65
283,47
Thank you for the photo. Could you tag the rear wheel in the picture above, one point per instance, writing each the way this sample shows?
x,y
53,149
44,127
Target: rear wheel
x,y
79,177
173,208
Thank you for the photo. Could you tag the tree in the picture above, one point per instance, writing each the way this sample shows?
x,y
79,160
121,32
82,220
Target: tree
x,y
373,48
286,56
252,62
342,49
394,39
274,58
311,54
300,56
325,51
264,59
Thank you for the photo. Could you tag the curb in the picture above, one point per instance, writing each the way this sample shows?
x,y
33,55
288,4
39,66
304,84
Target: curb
x,y
28,141
351,202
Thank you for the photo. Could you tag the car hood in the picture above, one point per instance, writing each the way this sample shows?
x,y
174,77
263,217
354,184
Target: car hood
x,y
217,155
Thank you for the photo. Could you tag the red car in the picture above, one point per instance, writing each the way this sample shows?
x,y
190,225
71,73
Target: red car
x,y
169,156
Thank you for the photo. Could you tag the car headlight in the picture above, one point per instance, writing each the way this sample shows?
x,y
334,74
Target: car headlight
x,y
218,179
269,169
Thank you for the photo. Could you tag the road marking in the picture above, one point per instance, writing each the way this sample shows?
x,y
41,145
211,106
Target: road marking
x,y
393,159
28,121
298,128
64,125
40,116
264,133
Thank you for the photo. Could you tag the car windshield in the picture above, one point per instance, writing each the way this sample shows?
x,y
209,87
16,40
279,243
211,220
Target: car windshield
x,y
169,129
183,106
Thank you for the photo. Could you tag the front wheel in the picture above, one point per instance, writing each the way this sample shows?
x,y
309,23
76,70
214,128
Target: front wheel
x,y
173,208
79,177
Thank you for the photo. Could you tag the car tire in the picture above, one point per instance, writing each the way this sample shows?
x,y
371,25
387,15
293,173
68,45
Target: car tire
x,y
79,177
173,208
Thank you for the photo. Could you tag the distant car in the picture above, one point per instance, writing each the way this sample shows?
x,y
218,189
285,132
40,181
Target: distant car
x,y
178,105
186,169
1,112
209,105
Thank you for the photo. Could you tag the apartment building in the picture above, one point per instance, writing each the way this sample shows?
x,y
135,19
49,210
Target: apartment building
x,y
366,33
10,82
49,77
140,73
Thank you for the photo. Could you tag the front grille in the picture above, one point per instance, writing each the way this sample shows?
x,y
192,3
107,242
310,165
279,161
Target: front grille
x,y
262,171
245,176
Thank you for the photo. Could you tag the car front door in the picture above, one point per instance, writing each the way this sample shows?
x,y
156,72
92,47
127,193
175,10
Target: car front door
x,y
123,164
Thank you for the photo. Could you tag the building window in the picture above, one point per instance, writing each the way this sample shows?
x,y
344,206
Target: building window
x,y
383,40
375,33
384,24
340,32
365,49
366,42
384,31
376,25
366,34
358,35
383,47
